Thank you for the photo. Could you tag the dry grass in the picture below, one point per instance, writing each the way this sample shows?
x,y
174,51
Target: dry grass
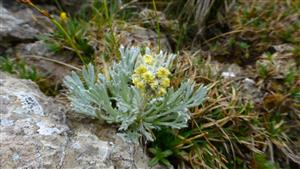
x,y
230,127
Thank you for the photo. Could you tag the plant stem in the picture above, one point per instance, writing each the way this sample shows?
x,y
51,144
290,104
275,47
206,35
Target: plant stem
x,y
61,28
109,18
157,24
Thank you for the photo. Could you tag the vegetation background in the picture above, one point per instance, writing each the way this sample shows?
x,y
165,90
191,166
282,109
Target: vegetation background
x,y
247,52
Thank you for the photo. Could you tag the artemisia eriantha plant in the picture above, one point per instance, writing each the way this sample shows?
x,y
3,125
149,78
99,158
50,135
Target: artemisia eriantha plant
x,y
136,94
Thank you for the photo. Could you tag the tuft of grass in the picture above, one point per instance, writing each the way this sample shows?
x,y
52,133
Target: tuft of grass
x,y
73,37
66,28
197,13
18,67
159,157
104,15
261,162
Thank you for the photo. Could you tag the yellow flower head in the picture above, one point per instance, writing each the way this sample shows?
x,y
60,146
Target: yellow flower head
x,y
161,91
163,72
148,59
140,70
63,16
165,82
154,85
140,85
135,80
148,77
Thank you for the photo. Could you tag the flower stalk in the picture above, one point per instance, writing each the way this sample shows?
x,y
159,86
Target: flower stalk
x,y
58,25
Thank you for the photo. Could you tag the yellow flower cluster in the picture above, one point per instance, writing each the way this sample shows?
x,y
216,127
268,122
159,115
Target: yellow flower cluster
x,y
150,80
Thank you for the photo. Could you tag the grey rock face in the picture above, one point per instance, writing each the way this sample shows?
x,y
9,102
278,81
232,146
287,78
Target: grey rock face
x,y
47,63
134,35
14,29
35,134
32,130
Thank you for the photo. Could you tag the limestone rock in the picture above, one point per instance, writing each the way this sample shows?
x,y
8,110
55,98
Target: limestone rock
x,y
14,29
35,133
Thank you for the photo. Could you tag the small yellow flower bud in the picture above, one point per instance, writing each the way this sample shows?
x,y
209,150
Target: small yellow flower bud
x,y
154,85
161,91
162,72
148,77
135,80
63,16
140,70
140,85
165,82
148,59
